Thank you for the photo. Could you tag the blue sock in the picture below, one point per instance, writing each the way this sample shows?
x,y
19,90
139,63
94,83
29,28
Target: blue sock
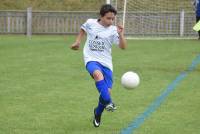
x,y
99,109
105,97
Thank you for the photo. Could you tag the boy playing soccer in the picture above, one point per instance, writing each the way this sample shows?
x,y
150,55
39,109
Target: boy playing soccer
x,y
101,34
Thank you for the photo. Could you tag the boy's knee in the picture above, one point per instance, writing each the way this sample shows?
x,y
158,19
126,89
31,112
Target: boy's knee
x,y
97,75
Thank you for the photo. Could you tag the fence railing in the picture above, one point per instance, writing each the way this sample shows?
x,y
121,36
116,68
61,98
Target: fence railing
x,y
16,22
13,22
137,23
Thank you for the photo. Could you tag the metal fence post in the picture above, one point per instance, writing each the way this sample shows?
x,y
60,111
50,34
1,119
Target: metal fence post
x,y
8,22
29,22
182,15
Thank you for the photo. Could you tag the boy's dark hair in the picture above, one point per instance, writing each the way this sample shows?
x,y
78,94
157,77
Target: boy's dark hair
x,y
107,8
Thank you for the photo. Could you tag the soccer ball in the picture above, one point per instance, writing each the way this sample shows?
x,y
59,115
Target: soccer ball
x,y
130,80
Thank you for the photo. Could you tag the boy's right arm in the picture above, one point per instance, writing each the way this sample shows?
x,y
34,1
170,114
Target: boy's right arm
x,y
76,44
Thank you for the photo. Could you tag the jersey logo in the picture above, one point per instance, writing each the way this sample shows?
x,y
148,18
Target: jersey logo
x,y
96,45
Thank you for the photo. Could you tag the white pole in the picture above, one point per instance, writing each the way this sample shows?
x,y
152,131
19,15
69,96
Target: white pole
x,y
116,9
107,1
124,13
29,22
182,14
8,23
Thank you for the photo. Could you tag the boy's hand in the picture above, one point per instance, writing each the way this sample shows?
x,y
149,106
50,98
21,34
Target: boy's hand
x,y
120,29
75,46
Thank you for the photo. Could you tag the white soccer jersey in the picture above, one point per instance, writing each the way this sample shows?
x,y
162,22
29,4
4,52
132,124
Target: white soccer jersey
x,y
99,42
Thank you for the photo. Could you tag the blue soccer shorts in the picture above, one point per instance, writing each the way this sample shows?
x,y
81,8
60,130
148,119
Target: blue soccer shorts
x,y
107,73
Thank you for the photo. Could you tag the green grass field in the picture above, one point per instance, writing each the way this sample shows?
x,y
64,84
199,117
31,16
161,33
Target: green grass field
x,y
45,89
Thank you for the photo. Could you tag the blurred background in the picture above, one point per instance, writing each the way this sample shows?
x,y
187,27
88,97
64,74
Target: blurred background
x,y
142,18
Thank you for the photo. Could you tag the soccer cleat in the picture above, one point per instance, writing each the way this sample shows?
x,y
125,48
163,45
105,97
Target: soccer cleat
x,y
111,107
96,119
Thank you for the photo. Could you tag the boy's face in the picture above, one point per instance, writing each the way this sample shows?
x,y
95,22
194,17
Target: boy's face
x,y
108,19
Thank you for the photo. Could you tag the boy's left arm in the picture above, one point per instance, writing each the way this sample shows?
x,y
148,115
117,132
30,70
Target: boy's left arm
x,y
122,40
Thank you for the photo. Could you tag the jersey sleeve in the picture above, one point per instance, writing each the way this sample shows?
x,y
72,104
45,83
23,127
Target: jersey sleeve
x,y
85,26
115,37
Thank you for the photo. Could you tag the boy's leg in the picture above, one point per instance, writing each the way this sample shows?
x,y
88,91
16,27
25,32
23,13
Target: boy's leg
x,y
108,77
95,70
104,98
